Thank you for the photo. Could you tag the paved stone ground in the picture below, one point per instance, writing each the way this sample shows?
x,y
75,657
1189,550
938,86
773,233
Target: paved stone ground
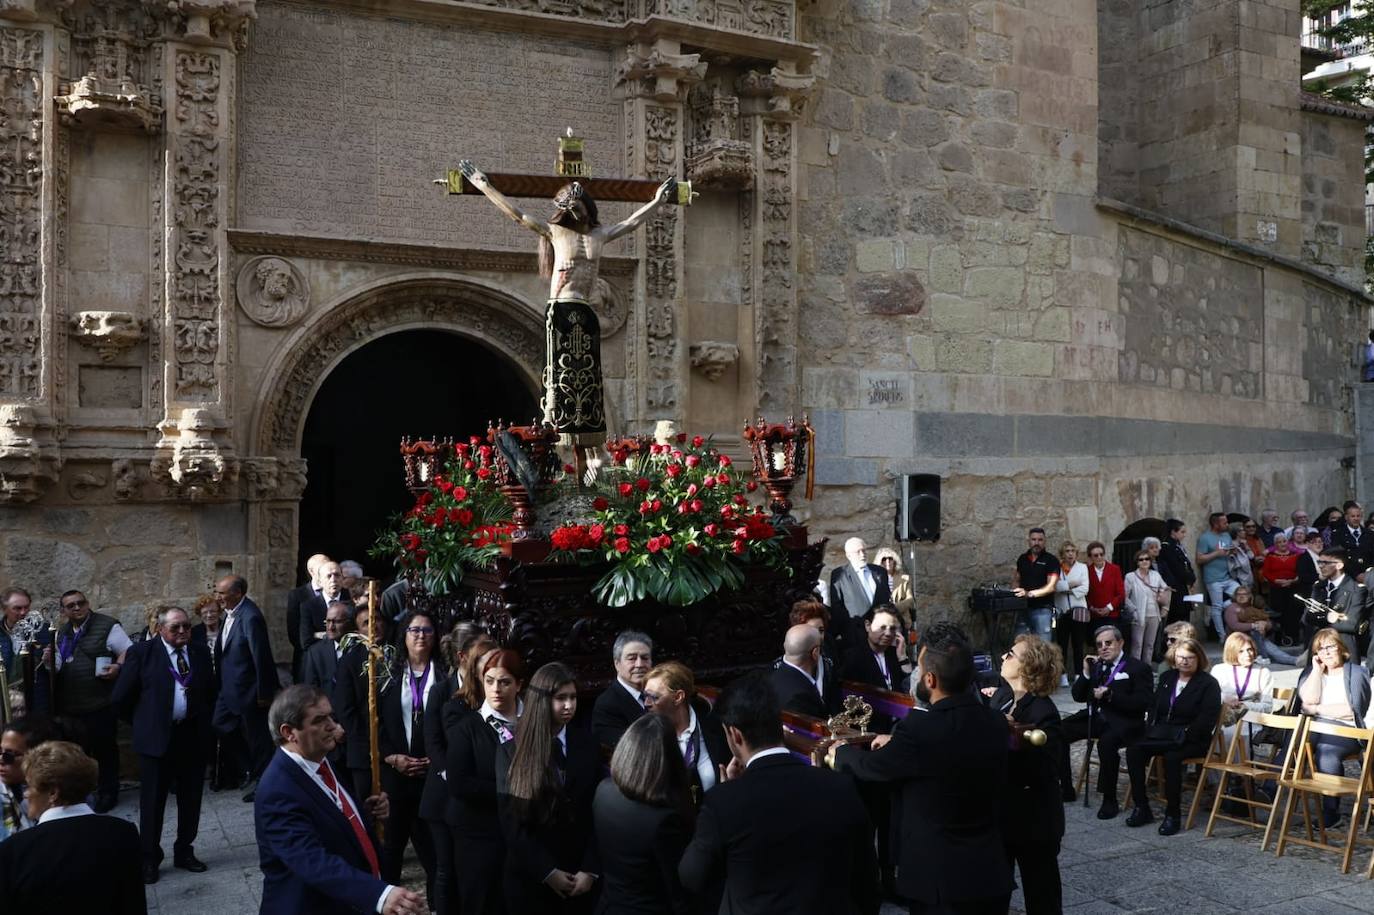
x,y
1107,867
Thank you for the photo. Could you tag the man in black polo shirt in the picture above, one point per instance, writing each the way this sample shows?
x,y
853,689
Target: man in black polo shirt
x,y
1036,575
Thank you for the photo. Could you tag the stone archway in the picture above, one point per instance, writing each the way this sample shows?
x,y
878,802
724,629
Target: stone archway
x,y
467,307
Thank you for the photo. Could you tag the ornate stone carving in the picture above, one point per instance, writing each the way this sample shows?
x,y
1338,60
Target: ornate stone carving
x,y
213,21
783,91
21,183
774,18
609,304
661,126
713,357
716,157
657,74
111,80
28,458
82,483
196,293
273,292
474,311
108,332
273,479
194,456
280,536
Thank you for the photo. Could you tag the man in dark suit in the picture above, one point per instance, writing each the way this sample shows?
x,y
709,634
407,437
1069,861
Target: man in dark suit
x,y
774,854
314,610
1350,535
1118,690
72,860
949,765
855,588
247,675
294,599
794,678
878,656
166,689
622,701
322,659
1344,598
316,853
1176,568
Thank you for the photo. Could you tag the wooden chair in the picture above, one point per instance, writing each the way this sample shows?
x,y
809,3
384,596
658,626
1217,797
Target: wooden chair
x,y
1299,776
1237,761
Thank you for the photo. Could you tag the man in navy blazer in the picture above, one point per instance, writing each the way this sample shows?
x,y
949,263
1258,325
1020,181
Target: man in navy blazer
x,y
315,850
166,688
247,674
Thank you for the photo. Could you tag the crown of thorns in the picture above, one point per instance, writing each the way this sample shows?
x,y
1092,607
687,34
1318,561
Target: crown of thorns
x,y
569,196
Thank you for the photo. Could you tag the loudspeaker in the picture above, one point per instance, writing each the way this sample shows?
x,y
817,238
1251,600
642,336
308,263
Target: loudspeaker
x,y
918,507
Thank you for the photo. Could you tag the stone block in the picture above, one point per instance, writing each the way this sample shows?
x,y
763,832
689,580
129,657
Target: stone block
x,y
1083,524
830,388
996,104
47,567
1052,325
954,157
963,434
190,577
77,521
875,256
105,201
908,13
972,197
994,134
860,171
128,250
879,433
894,293
1076,214
963,354
1014,357
834,109
1073,491
223,528
846,472
949,29
1001,287
886,390
946,269
947,97
902,85
913,168
90,247
930,214
870,216
993,500
924,127
954,314
921,351
881,120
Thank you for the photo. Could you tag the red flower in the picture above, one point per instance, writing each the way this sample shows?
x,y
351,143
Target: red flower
x,y
622,544
722,478
665,541
674,470
645,507
444,485
727,511
625,489
691,489
692,460
421,555
600,504
711,529
569,468
698,441
620,457
570,537
738,547
462,448
693,549
658,505
468,465
464,516
709,482
642,484
725,460
622,529
455,515
681,437
424,500
739,499
460,493
751,486
595,534
697,505
654,545
485,452
410,542
483,473
677,455
474,440
683,508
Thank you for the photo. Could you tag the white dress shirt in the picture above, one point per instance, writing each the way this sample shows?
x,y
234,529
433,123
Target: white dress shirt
x,y
341,801
178,691
227,625
706,770
62,813
405,695
771,751
815,681
637,694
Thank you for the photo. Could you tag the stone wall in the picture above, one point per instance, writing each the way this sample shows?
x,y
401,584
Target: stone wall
x,y
1333,220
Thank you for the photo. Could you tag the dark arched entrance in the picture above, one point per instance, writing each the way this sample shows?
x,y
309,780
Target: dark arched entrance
x,y
1128,542
423,383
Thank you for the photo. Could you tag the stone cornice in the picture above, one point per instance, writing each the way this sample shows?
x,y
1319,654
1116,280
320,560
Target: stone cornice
x,y
246,241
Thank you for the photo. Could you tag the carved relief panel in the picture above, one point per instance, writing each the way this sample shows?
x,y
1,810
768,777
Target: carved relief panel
x,y
22,105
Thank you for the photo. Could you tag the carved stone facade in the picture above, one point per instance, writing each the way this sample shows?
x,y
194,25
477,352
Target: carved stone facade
x,y
206,206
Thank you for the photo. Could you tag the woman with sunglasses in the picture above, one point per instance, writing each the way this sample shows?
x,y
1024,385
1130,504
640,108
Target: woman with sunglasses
x,y
17,738
416,681
1333,689
1145,594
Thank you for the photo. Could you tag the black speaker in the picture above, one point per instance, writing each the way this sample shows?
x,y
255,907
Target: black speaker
x,y
918,507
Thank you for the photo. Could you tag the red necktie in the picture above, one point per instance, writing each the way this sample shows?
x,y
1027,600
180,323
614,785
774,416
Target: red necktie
x,y
327,776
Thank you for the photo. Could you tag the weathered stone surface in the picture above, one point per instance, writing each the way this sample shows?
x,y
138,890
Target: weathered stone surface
x,y
896,293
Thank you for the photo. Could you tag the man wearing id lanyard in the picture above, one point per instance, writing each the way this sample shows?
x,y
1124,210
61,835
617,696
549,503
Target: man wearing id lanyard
x,y
1118,690
166,688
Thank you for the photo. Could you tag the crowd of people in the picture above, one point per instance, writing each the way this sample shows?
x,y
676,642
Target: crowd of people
x,y
659,800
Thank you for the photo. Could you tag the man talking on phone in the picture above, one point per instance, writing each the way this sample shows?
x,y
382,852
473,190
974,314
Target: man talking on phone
x,y
1117,689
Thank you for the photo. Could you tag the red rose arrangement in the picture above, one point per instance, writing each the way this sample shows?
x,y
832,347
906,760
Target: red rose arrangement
x,y
675,524
459,522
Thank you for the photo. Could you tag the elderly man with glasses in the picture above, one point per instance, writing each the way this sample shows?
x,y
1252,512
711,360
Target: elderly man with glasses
x,y
166,689
1118,690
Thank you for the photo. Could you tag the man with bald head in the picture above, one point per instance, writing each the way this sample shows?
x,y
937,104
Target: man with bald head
x,y
329,580
294,599
247,675
856,587
794,680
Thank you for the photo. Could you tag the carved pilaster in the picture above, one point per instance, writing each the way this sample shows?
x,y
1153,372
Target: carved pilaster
x,y
194,456
655,79
772,101
23,97
29,459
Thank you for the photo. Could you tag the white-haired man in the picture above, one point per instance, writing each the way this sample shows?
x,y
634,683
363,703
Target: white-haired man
x,y
856,587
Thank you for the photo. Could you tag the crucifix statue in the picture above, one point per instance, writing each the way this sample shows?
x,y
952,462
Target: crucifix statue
x,y
571,243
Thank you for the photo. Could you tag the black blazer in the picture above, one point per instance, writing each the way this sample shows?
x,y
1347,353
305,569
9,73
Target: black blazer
x,y
1348,598
1197,707
320,664
796,693
1307,573
76,864
349,698
471,772
640,847
779,855
1175,567
849,600
392,736
1359,556
1127,698
294,598
950,769
436,805
144,689
311,617
1034,809
564,840
247,672
861,665
614,711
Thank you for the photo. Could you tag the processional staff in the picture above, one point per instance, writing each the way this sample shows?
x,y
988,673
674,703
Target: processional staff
x,y
374,657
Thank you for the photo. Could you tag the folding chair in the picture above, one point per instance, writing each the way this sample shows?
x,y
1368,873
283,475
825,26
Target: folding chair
x,y
1237,761
1300,777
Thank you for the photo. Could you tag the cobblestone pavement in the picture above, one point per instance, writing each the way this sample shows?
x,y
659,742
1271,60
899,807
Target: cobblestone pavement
x,y
1107,867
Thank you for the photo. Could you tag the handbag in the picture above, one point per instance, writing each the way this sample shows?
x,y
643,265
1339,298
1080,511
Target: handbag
x,y
1164,736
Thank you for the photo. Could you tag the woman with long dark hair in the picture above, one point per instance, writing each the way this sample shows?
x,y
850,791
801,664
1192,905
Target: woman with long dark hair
x,y
643,817
415,684
436,807
478,848
545,781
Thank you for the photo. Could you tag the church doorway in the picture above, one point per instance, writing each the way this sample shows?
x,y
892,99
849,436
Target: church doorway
x,y
421,383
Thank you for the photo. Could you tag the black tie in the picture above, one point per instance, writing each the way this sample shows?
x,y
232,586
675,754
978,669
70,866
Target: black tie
x,y
1330,589
560,760
1355,533
182,667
